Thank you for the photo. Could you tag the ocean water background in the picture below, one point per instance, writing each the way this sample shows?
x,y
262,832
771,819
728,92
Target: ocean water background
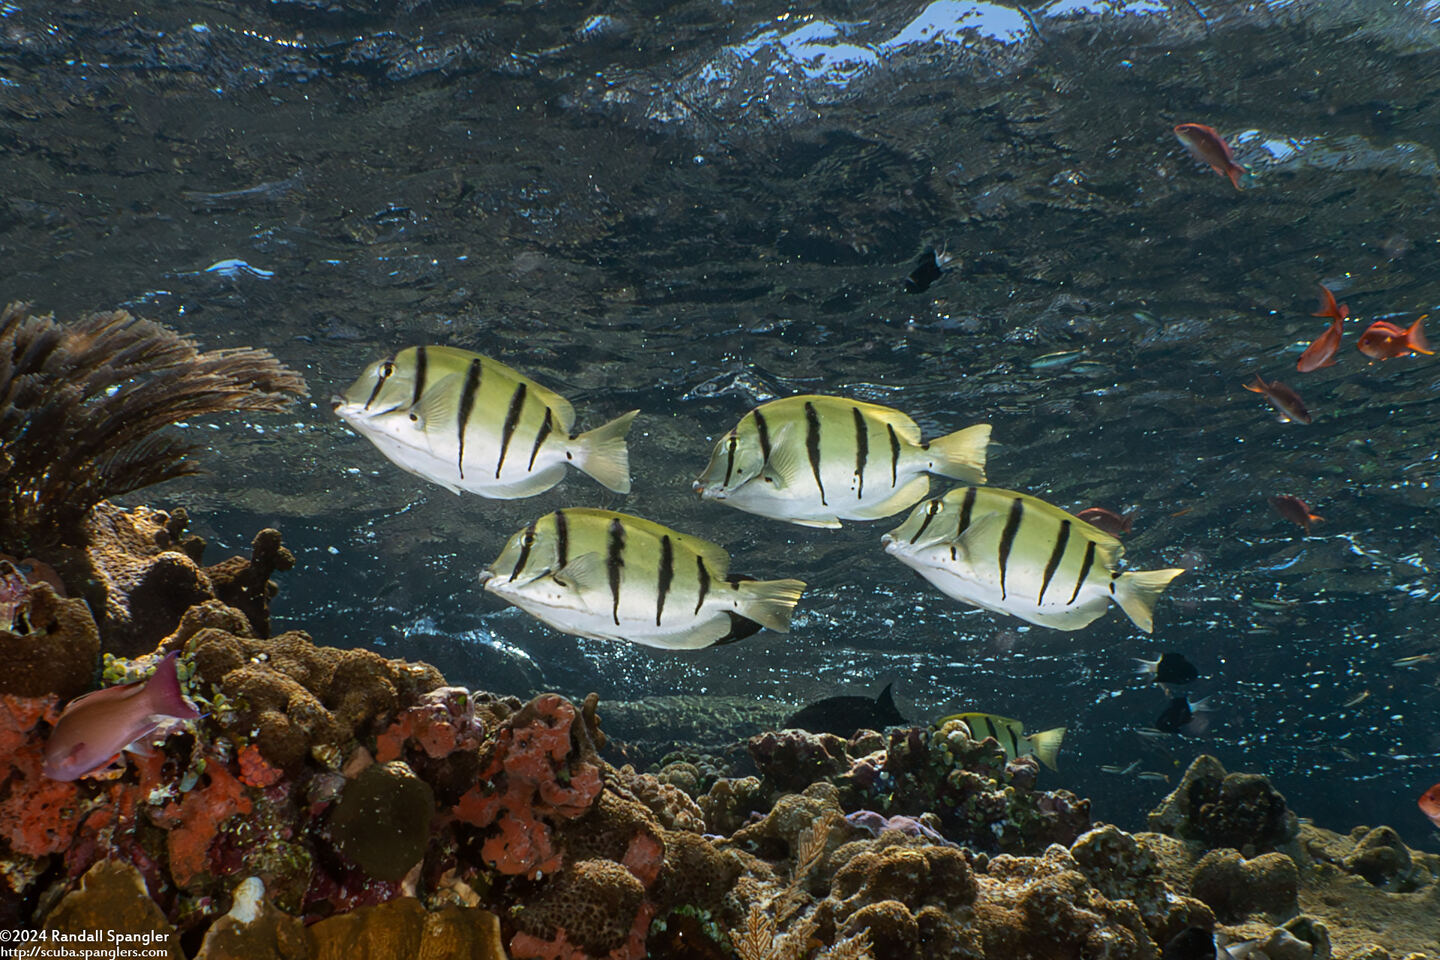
x,y
694,207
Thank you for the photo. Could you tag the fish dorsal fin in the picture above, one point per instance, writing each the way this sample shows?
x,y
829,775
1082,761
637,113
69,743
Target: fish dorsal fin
x,y
905,428
785,464
582,573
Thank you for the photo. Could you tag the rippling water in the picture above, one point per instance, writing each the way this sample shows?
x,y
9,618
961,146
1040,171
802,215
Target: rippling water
x,y
691,208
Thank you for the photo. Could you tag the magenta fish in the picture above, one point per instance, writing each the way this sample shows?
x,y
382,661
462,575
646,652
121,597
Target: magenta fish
x,y
93,728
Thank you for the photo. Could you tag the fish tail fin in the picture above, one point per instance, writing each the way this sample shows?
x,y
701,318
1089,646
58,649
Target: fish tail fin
x,y
1235,172
164,693
1146,668
1415,338
769,602
1258,385
961,455
1137,591
602,453
1047,745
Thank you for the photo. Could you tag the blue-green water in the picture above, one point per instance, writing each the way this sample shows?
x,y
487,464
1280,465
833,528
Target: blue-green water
x,y
690,208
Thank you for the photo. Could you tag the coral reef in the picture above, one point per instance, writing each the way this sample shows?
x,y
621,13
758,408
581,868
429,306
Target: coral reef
x,y
978,797
49,642
333,803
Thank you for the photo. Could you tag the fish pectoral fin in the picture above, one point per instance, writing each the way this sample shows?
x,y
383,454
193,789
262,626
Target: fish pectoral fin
x,y
439,401
784,468
583,573
972,543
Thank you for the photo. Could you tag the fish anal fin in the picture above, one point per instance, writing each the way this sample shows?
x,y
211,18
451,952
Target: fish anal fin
x,y
911,492
740,628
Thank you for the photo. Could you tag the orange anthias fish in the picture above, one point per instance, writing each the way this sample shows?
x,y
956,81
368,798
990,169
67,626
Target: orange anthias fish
x,y
1321,353
1430,804
1282,398
1295,510
1383,340
1111,522
1209,147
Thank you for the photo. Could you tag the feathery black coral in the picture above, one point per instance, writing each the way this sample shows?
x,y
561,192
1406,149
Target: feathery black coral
x,y
82,404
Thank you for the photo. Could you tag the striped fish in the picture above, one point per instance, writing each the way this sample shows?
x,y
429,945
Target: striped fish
x,y
818,460
609,576
1010,734
468,422
1016,554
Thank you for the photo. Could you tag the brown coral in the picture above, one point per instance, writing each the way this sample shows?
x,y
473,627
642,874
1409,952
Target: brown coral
x,y
82,406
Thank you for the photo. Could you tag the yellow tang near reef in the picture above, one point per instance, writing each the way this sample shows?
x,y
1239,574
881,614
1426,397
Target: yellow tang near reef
x,y
610,576
468,422
817,460
1013,553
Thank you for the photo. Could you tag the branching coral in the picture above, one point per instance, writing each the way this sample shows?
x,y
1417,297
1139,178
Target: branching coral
x,y
82,404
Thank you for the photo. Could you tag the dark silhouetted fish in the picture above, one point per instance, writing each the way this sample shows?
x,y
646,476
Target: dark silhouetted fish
x,y
927,270
1170,668
1197,943
842,716
1180,716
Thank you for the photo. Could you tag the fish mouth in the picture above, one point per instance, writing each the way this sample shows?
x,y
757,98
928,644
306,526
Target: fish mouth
x,y
486,576
707,493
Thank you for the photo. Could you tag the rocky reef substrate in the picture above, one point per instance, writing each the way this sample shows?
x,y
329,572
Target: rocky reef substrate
x,y
337,803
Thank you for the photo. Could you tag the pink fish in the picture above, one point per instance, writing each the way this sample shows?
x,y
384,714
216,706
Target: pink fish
x,y
95,727
1207,146
1282,398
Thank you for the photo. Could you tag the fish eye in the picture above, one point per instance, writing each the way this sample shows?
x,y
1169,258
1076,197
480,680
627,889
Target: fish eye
x,y
528,540
933,507
386,370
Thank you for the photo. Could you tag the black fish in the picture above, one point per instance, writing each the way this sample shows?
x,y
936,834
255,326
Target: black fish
x,y
842,716
926,272
1197,943
1180,716
1170,668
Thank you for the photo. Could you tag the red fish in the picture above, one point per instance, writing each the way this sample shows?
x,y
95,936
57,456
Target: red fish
x,y
1430,804
1111,522
1209,147
1383,340
1321,353
1282,398
1295,510
93,728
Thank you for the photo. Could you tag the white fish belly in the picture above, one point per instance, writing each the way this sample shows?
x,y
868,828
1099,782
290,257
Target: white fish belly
x,y
433,459
957,579
595,617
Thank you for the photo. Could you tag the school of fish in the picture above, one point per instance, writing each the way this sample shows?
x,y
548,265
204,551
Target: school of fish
x,y
469,423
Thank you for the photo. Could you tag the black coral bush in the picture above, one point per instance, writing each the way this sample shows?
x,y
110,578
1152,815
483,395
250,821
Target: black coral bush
x,y
83,404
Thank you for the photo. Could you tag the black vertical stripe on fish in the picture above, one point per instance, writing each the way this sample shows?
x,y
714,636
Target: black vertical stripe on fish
x,y
812,446
545,427
894,456
991,729
862,452
932,507
467,407
704,582
730,458
421,369
1084,571
667,574
512,419
763,429
1053,564
613,562
966,506
525,541
1007,539
562,540
386,368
